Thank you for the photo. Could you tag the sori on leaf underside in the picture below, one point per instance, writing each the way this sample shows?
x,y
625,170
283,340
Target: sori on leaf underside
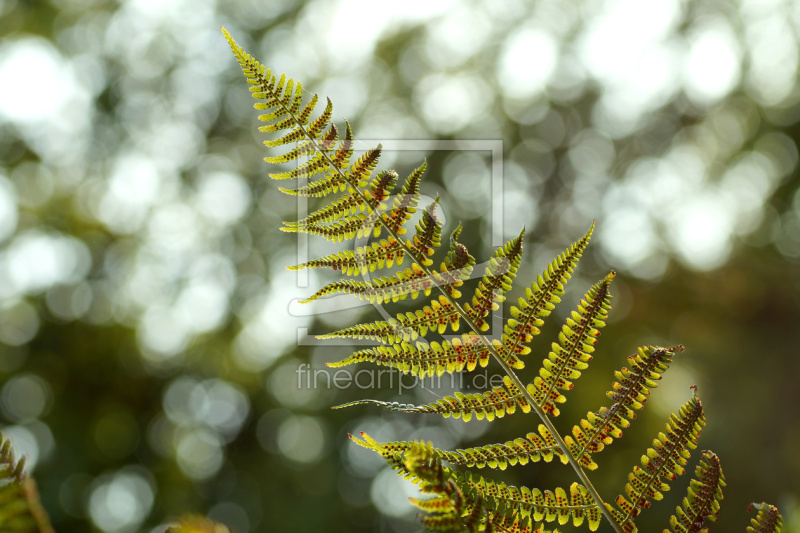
x,y
362,205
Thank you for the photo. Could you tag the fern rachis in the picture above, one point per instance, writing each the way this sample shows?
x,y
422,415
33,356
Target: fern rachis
x,y
365,208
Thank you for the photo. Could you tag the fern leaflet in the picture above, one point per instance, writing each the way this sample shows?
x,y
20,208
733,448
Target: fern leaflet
x,y
661,464
466,353
702,499
768,520
20,510
196,524
570,354
629,394
532,448
494,403
540,299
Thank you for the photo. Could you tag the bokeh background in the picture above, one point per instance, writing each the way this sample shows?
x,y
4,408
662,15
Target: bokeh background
x,y
149,352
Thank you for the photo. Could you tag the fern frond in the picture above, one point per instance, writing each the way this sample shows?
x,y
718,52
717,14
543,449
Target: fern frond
x,y
407,326
768,520
359,171
317,165
423,360
490,404
500,272
408,282
532,448
449,510
382,254
428,235
702,499
571,353
662,463
196,524
457,266
365,205
348,228
540,299
404,204
11,469
348,204
531,504
20,509
628,395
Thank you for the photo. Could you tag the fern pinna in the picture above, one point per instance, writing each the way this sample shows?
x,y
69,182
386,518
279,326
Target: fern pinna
x,y
360,203
20,510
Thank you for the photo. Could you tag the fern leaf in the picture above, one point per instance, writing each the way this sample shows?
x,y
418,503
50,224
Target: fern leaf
x,y
531,505
768,520
408,282
490,404
628,395
349,204
571,353
702,499
359,171
382,254
426,359
404,204
20,509
445,511
303,149
407,326
428,235
457,266
500,272
348,228
662,463
533,448
540,299
317,125
196,524
11,469
380,187
345,149
316,165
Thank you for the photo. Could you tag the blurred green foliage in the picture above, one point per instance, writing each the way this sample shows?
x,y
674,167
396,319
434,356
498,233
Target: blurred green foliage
x,y
149,354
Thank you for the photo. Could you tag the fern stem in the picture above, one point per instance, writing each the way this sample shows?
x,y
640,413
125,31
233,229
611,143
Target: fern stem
x,y
463,314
